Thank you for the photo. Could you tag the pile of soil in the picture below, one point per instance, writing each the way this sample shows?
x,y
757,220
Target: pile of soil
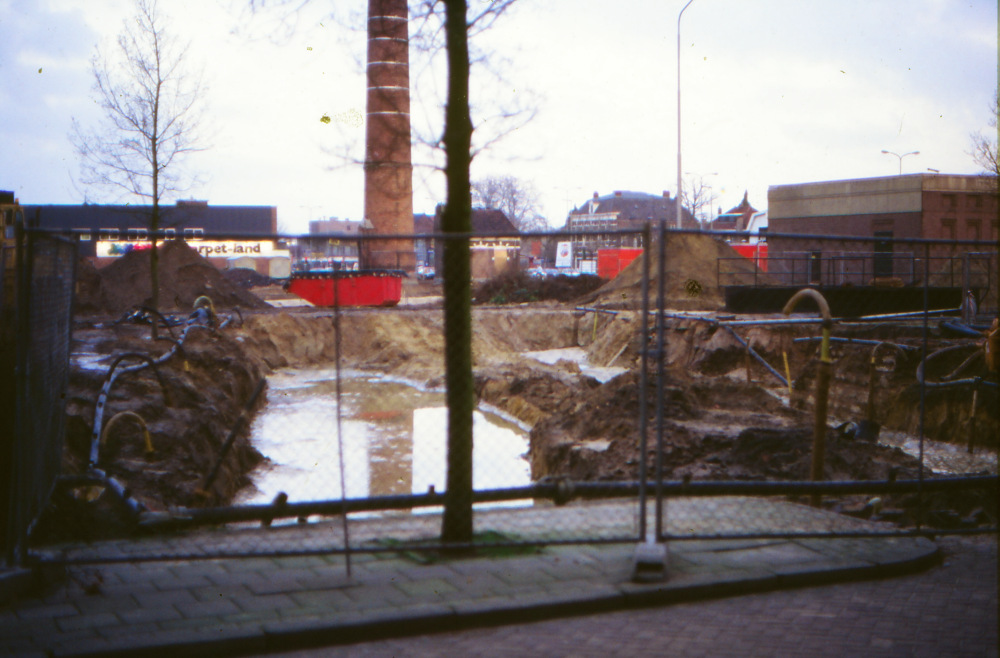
x,y
517,288
184,276
247,278
207,386
598,439
691,275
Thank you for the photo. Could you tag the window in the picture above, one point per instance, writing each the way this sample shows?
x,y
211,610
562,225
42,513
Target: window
x,y
85,236
136,234
949,200
108,234
193,233
974,200
973,230
8,217
170,233
948,228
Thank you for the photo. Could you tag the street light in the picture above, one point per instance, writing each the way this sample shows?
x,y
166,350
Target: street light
x,y
679,113
901,158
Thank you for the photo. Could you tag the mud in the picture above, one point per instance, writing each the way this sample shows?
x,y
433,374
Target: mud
x,y
717,424
517,287
184,276
691,276
206,387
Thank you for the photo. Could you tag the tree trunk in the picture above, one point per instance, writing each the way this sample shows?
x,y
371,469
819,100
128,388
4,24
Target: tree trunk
x,y
457,218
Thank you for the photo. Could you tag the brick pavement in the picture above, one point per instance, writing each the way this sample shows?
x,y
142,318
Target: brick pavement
x,y
950,610
252,605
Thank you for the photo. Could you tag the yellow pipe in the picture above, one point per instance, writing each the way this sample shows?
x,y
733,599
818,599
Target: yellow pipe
x,y
822,382
205,300
788,375
125,415
593,337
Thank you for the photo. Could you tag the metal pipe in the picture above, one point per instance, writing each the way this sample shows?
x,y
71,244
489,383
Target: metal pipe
x,y
872,377
753,353
203,490
595,310
853,341
551,490
125,415
822,381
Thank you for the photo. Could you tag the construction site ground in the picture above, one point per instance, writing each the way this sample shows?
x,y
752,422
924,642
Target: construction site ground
x,y
723,420
725,417
249,605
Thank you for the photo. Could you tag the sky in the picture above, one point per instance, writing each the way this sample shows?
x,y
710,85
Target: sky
x,y
774,92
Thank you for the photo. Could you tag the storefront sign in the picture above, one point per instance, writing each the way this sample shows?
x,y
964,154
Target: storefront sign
x,y
207,248
564,254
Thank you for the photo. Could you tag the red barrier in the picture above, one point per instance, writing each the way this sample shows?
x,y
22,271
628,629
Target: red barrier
x,y
610,262
361,288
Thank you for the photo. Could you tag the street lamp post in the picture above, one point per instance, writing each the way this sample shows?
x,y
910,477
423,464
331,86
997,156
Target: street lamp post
x,y
679,113
901,158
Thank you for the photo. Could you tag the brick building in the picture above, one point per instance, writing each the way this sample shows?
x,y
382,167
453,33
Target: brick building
x,y
489,256
933,206
621,211
736,218
110,231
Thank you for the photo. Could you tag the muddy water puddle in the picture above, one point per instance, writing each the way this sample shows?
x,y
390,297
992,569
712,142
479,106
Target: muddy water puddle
x,y
578,356
394,440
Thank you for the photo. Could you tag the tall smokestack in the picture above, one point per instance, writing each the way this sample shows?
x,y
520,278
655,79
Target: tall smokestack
x,y
388,165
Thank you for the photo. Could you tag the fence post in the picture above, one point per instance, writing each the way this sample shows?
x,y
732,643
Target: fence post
x,y
18,524
660,376
644,379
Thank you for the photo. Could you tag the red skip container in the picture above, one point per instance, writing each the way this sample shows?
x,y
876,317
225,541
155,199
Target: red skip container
x,y
349,288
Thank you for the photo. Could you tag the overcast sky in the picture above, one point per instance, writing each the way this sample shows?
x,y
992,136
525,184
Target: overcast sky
x,y
774,92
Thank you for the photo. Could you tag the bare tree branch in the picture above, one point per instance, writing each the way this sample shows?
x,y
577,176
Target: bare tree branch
x,y
984,147
695,195
152,120
518,199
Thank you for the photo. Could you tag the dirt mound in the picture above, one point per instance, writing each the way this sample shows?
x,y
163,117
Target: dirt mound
x,y
184,276
206,389
691,275
246,279
517,288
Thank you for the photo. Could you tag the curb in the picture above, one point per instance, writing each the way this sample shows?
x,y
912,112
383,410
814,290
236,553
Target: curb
x,y
14,583
439,617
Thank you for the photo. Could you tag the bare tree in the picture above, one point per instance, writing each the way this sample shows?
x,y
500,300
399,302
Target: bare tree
x,y
695,195
984,147
518,199
152,114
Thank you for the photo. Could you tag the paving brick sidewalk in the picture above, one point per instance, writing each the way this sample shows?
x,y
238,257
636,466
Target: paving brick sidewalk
x,y
253,605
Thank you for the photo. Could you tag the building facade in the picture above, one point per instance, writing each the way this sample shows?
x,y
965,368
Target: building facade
x,y
932,206
110,231
620,211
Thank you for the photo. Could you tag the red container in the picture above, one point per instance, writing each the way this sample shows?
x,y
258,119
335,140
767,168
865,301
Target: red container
x,y
755,252
610,262
353,288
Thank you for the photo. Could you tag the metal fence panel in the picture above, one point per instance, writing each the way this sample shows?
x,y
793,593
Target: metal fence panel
x,y
358,458
45,313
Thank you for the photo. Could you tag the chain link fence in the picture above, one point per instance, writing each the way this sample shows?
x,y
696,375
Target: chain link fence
x,y
645,408
44,317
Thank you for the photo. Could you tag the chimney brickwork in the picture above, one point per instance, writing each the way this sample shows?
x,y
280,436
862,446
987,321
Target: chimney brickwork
x,y
388,164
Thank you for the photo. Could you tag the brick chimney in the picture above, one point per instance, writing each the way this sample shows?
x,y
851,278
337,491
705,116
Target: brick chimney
x,y
388,165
